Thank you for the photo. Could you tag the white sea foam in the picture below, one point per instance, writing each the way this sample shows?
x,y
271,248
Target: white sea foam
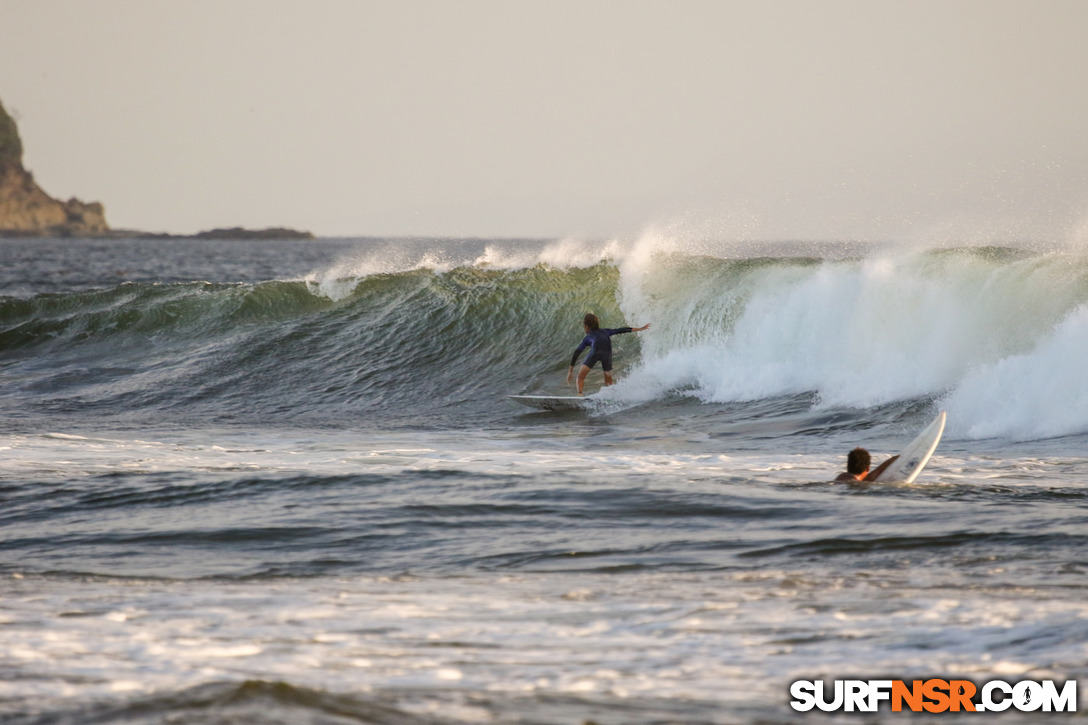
x,y
338,281
865,332
228,453
1040,393
726,638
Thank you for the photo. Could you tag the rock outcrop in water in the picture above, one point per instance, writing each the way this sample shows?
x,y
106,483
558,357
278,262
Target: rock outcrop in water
x,y
26,210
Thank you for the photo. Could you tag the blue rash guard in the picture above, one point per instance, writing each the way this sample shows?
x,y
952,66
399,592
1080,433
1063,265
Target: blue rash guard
x,y
600,348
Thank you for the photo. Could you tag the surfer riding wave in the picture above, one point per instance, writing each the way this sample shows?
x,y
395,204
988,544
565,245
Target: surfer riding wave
x,y
600,349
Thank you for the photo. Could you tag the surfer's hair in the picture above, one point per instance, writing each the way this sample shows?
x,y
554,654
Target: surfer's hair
x,y
857,461
591,321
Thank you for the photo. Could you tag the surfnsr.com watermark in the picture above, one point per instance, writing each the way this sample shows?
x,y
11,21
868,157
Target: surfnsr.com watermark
x,y
934,695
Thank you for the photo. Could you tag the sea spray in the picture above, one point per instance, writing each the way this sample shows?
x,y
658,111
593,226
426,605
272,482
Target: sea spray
x,y
857,332
1040,393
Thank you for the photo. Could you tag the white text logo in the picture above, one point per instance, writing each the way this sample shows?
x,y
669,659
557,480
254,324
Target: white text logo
x,y
934,695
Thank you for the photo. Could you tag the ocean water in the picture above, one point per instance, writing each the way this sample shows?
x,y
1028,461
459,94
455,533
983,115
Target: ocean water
x,y
280,482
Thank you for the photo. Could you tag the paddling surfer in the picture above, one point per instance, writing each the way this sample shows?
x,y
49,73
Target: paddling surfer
x,y
600,349
857,467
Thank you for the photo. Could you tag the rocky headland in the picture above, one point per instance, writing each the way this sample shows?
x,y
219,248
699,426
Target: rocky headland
x,y
27,211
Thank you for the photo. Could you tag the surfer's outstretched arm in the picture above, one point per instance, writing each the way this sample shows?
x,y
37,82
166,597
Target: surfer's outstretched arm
x,y
875,473
622,330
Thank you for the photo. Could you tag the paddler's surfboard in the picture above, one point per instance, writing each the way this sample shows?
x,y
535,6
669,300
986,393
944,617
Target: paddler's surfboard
x,y
554,402
916,455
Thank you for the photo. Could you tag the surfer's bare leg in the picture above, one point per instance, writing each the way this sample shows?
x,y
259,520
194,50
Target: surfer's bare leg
x,y
582,373
607,377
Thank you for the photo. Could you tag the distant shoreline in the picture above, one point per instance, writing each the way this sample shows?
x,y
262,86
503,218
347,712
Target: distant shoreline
x,y
225,234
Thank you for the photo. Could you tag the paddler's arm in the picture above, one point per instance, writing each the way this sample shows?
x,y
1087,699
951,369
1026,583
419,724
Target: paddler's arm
x,y
875,473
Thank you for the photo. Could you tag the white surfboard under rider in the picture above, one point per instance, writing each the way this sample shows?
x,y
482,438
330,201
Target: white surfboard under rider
x,y
554,402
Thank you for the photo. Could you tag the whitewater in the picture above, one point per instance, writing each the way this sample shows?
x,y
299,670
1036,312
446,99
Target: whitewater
x,y
282,482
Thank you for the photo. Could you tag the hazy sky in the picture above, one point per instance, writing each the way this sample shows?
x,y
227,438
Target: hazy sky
x,y
772,119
